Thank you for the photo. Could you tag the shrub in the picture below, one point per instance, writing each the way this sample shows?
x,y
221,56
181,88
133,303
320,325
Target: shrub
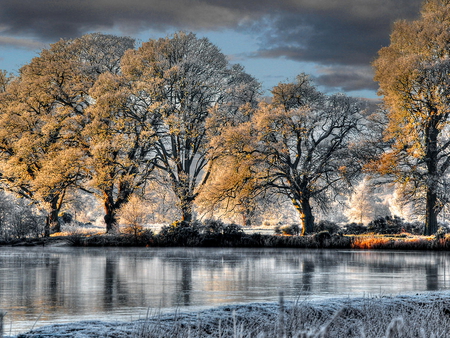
x,y
211,226
66,217
180,233
386,225
331,227
355,229
290,230
233,230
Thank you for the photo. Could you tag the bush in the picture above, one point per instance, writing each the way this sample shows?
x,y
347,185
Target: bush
x,y
355,229
289,230
386,225
180,233
215,227
66,217
233,230
328,226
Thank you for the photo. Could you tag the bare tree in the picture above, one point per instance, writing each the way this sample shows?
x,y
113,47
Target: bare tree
x,y
300,145
187,80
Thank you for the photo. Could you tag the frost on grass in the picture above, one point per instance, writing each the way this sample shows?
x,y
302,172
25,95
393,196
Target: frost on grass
x,y
425,315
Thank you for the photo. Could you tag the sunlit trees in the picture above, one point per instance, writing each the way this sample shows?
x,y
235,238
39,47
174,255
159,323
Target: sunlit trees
x,y
134,215
119,143
304,140
367,203
42,116
413,74
300,144
186,80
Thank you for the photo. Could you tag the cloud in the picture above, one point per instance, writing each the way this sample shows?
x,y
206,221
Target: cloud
x,y
346,78
326,32
20,43
50,19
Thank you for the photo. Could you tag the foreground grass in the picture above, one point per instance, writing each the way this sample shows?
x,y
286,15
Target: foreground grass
x,y
377,317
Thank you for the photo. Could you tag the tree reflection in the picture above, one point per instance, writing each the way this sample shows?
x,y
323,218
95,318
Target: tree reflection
x,y
432,277
184,288
115,292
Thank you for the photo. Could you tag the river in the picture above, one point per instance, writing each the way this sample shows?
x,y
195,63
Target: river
x,y
39,286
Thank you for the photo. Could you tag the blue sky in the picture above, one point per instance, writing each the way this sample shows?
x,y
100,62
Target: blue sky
x,y
333,40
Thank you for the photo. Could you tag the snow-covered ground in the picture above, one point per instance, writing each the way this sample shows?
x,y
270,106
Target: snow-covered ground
x,y
422,315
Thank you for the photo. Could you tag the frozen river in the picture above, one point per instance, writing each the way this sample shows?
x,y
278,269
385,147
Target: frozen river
x,y
62,284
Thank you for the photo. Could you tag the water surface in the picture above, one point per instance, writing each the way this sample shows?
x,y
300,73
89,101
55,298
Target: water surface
x,y
62,284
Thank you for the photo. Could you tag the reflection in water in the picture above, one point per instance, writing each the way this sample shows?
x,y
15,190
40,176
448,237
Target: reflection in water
x,y
67,284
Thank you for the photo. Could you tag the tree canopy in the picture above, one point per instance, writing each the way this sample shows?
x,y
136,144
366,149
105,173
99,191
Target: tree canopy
x,y
413,76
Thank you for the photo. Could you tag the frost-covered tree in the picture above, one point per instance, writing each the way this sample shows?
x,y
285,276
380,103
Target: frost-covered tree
x,y
304,140
413,76
119,143
42,116
300,145
187,80
366,203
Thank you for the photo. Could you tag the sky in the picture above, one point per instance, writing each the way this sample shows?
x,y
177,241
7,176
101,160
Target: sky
x,y
334,41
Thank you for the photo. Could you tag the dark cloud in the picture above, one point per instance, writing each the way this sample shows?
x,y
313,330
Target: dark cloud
x,y
346,78
347,35
20,43
326,32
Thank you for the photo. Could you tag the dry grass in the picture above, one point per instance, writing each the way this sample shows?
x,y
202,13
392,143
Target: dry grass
x,y
373,317
358,318
370,242
403,242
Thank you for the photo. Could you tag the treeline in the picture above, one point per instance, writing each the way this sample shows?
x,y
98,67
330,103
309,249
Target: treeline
x,y
97,115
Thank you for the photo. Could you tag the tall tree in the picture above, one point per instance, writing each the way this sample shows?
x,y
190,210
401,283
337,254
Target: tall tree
x,y
42,116
188,80
233,187
119,142
299,145
412,73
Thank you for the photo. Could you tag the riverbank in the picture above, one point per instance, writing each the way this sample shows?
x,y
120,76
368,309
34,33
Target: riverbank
x,y
322,240
424,315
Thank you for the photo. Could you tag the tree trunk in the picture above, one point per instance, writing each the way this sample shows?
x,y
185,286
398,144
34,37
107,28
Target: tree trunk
x,y
306,216
431,160
186,209
431,215
52,223
246,219
55,225
110,215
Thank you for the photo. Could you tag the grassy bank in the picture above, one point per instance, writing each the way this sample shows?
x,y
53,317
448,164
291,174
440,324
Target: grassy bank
x,y
383,236
371,317
321,240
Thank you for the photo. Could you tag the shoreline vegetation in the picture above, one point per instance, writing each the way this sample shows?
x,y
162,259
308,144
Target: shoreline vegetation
x,y
235,236
422,315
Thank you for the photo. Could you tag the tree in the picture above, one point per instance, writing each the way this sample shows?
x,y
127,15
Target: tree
x,y
232,189
365,204
42,117
187,80
134,215
412,73
300,144
119,141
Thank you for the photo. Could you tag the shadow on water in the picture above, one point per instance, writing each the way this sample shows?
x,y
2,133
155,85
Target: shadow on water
x,y
67,284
